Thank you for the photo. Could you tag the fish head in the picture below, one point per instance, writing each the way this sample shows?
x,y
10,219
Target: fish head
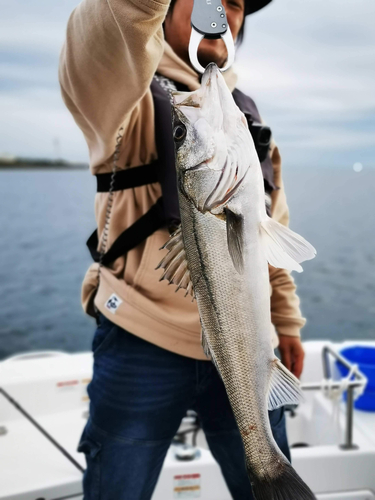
x,y
213,144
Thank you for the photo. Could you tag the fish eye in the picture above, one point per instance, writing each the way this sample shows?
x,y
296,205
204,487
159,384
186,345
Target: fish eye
x,y
179,132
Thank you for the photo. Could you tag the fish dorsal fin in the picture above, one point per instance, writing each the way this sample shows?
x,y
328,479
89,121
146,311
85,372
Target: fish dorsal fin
x,y
284,387
175,265
284,248
235,239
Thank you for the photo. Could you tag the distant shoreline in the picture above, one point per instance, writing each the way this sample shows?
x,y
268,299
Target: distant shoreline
x,y
42,165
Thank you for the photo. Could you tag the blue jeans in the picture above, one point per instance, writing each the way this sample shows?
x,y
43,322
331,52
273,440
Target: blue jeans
x,y
139,394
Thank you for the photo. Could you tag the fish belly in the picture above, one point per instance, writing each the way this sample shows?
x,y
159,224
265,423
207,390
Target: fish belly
x,y
235,315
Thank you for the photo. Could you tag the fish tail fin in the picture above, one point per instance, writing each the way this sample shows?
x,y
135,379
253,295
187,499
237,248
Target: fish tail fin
x,y
287,486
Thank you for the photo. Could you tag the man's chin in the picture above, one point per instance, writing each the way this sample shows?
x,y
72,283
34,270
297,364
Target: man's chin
x,y
207,55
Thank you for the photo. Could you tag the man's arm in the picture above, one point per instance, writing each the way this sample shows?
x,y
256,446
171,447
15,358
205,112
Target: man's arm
x,y
285,311
110,55
287,318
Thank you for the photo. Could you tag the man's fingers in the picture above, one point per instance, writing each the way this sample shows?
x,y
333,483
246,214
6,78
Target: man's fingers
x,y
286,358
298,364
292,354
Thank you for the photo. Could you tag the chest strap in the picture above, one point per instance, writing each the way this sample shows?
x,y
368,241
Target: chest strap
x,y
150,222
128,178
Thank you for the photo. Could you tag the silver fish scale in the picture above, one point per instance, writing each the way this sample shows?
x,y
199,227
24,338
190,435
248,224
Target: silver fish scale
x,y
233,309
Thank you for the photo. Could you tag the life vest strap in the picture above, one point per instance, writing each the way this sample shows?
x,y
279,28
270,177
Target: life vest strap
x,y
128,178
150,222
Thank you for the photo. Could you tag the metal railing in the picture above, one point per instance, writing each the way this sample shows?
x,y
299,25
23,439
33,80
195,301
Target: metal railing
x,y
360,381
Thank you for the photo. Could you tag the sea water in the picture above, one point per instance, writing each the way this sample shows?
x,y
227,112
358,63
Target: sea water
x,y
47,215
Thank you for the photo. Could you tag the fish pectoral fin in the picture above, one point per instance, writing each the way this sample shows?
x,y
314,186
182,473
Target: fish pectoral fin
x,y
284,387
284,248
175,265
235,238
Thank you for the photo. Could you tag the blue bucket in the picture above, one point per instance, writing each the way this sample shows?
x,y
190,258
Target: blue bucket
x,y
364,357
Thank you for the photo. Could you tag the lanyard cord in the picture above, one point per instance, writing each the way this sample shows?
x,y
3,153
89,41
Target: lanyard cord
x,y
104,237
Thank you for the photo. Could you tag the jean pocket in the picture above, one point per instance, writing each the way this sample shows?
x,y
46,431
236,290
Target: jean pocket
x,y
103,335
91,478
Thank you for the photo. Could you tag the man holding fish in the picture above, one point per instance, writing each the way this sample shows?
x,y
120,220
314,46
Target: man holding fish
x,y
149,363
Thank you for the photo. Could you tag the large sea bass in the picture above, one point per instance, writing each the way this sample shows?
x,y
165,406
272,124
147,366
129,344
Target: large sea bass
x,y
220,256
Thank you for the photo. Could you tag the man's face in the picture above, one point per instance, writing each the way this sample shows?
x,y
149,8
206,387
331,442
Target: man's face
x,y
177,31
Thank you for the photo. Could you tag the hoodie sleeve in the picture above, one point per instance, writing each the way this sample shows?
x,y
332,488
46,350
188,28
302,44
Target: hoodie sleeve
x,y
111,52
285,311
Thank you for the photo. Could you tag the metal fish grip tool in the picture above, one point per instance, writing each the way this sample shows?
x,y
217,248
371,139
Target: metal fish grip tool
x,y
209,20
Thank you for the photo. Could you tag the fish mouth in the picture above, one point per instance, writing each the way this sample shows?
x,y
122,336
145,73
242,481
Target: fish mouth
x,y
211,70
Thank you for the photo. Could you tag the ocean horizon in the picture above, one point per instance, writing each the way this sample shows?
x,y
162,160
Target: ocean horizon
x,y
47,215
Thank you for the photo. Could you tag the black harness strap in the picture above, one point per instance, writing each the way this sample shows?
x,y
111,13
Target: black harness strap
x,y
92,245
129,178
150,222
166,154
249,109
166,211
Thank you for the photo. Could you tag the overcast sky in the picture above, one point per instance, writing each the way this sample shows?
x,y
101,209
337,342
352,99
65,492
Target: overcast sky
x,y
309,65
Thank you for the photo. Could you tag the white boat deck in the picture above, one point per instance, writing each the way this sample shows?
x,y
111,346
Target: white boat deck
x,y
53,391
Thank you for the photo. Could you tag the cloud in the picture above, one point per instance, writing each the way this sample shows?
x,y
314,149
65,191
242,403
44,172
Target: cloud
x,y
309,65
33,119
33,114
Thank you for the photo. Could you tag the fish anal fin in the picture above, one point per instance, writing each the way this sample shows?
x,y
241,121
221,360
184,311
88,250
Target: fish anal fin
x,y
175,265
284,248
235,238
284,387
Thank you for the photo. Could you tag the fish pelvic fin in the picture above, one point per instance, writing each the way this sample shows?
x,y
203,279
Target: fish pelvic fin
x,y
284,248
287,486
175,265
284,387
205,346
207,351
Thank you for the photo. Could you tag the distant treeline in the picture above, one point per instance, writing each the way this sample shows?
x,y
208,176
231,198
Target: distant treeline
x,y
39,163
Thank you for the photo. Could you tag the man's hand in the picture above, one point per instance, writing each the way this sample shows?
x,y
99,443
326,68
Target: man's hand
x,y
292,353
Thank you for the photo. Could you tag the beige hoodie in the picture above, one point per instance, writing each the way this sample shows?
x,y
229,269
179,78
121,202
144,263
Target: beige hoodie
x,y
112,50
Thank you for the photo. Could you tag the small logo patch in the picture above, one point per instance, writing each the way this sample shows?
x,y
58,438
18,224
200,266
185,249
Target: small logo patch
x,y
113,303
